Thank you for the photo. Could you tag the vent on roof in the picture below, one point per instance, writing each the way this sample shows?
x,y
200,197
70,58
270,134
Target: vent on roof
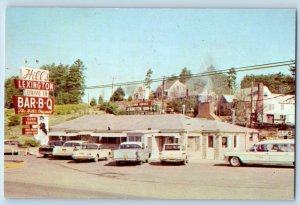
x,y
149,128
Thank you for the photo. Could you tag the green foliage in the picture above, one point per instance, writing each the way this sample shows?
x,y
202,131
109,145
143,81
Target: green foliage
x,y
130,98
93,102
277,83
185,75
28,142
118,95
68,109
14,120
191,103
111,108
100,100
231,79
69,82
219,82
10,91
172,77
148,78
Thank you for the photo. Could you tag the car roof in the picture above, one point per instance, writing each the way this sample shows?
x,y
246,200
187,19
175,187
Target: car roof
x,y
139,143
76,141
288,141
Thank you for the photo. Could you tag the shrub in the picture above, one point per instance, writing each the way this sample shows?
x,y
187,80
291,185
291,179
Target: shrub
x,y
14,120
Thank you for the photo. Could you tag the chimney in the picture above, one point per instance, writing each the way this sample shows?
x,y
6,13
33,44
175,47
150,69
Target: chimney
x,y
206,110
260,102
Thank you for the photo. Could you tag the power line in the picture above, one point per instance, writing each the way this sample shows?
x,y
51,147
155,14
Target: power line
x,y
203,74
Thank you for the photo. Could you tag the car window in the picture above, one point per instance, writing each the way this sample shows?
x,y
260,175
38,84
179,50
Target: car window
x,y
262,148
71,144
130,146
172,147
90,146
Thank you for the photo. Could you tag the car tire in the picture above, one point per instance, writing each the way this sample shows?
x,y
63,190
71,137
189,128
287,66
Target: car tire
x,y
96,159
235,161
45,155
163,163
184,162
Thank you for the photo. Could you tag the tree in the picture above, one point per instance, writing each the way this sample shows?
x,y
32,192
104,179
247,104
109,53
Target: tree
x,y
277,83
231,78
118,95
58,74
148,79
75,82
185,75
172,77
218,82
129,98
10,91
100,100
93,102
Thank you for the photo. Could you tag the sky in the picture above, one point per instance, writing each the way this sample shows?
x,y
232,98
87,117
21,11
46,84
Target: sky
x,y
124,43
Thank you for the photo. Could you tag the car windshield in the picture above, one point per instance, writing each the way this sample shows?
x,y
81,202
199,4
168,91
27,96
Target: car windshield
x,y
71,144
172,147
130,146
90,146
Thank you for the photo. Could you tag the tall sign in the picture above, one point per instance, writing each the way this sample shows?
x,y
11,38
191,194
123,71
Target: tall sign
x,y
35,102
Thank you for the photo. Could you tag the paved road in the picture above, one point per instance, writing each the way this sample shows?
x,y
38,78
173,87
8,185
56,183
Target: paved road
x,y
40,178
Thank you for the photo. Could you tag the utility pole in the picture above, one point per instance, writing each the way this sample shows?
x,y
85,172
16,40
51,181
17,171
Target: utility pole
x,y
112,88
251,105
163,94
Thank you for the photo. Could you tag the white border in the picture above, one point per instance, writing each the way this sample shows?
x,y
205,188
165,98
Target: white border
x,y
133,4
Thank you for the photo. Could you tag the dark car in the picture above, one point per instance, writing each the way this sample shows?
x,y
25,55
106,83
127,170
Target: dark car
x,y
46,150
11,146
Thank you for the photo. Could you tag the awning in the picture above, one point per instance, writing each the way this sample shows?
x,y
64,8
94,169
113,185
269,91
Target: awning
x,y
61,134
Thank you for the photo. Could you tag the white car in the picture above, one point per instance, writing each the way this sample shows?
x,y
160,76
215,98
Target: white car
x,y
173,153
67,149
131,152
91,151
264,152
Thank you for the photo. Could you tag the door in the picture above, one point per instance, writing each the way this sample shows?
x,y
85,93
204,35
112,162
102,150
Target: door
x,y
270,119
210,152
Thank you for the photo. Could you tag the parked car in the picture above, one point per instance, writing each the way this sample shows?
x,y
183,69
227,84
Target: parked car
x,y
11,146
46,150
173,153
91,151
67,149
131,152
264,152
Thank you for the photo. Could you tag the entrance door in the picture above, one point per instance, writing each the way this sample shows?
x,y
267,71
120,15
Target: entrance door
x,y
270,119
210,151
159,141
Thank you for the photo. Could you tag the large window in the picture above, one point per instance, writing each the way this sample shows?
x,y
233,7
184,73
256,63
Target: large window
x,y
210,141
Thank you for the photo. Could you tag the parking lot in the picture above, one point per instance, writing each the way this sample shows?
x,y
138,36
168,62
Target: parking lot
x,y
56,178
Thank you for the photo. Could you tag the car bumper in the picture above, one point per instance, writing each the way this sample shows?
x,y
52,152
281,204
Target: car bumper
x,y
82,157
171,159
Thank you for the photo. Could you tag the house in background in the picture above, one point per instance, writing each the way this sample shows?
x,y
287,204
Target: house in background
x,y
225,105
269,107
172,90
141,93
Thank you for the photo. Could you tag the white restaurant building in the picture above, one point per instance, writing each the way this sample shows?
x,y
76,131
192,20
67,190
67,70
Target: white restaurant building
x,y
204,139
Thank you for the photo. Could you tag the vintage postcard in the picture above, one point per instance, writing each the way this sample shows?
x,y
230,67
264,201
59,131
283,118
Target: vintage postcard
x,y
104,103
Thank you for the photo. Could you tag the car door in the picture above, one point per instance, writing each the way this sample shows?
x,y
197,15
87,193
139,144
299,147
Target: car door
x,y
280,154
258,155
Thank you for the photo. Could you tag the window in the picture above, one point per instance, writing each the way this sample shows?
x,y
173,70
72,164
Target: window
x,y
234,142
251,138
210,141
172,147
224,142
282,117
134,139
262,148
